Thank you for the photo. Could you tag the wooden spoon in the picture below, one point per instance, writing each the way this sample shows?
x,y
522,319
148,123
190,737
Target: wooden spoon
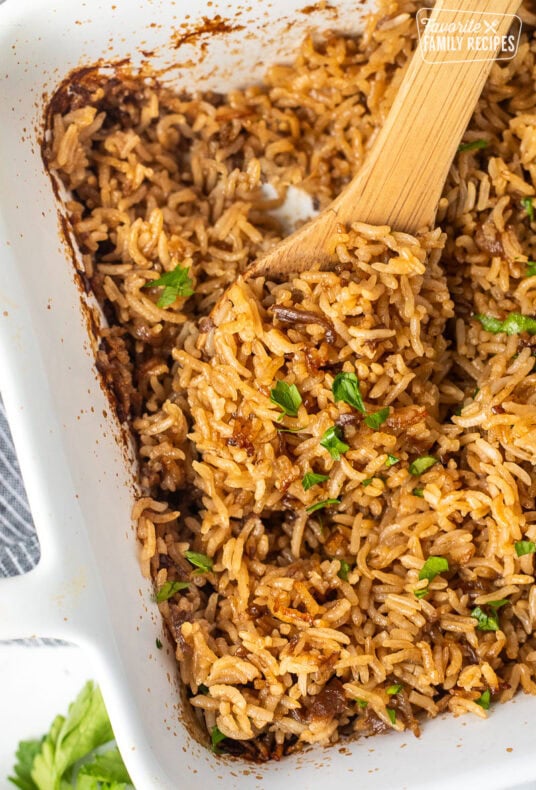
x,y
401,182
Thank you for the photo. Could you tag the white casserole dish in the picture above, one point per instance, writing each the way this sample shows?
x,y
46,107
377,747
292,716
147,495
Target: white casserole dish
x,y
87,587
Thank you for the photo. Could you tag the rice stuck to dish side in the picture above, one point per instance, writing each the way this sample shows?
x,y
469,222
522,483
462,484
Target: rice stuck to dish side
x,y
338,471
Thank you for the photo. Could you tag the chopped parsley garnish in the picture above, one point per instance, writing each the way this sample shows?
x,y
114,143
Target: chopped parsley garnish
x,y
287,397
418,492
175,283
362,703
345,387
312,479
320,505
421,593
369,480
433,567
378,418
332,441
421,464
158,644
202,689
394,689
216,737
531,269
523,547
526,202
391,460
484,699
168,589
392,714
513,324
489,622
200,561
344,571
475,145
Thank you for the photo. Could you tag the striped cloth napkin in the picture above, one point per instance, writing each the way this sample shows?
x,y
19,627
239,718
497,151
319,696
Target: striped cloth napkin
x,y
19,547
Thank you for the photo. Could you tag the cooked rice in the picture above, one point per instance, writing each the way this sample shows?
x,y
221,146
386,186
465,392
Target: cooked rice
x,y
306,620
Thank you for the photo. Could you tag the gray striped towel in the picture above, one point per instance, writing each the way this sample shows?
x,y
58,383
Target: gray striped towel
x,y
19,546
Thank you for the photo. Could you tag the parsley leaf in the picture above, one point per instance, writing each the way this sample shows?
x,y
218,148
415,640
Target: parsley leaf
x,y
433,567
312,479
392,714
362,703
158,644
523,547
287,397
513,324
320,505
216,737
526,202
201,561
107,769
421,464
418,492
175,283
531,269
345,387
378,418
391,460
202,689
394,689
168,589
25,755
475,145
332,440
421,593
368,480
344,571
489,622
484,699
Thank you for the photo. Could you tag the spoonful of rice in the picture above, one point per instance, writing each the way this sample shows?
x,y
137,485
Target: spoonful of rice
x,y
401,182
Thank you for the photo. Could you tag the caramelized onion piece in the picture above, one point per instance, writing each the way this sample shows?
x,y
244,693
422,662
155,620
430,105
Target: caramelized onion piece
x,y
293,315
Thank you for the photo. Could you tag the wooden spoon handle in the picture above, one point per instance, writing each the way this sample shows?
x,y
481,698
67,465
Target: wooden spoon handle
x,y
402,179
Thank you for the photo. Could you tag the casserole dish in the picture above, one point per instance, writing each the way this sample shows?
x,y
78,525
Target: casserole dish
x,y
87,587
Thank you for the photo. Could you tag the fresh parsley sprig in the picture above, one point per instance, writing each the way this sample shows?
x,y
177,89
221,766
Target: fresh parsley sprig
x,y
377,419
311,479
216,737
200,561
323,504
421,464
344,570
474,145
513,324
65,757
346,387
332,441
489,620
287,397
169,589
175,283
433,567
523,547
527,203
484,699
